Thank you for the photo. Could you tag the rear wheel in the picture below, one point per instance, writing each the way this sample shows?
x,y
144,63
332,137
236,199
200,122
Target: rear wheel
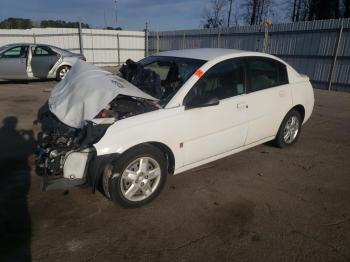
x,y
289,130
136,177
62,72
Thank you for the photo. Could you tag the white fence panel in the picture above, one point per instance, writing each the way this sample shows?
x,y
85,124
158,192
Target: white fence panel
x,y
101,47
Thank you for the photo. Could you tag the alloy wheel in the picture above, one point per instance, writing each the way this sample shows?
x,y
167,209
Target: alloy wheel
x,y
140,179
63,72
291,129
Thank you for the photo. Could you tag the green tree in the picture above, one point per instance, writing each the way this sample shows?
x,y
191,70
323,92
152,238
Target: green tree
x,y
16,23
113,28
62,24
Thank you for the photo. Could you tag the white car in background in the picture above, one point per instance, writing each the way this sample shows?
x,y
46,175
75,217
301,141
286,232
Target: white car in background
x,y
25,61
111,134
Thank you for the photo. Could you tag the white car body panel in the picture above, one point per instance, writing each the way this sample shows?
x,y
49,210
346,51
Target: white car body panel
x,y
201,135
264,119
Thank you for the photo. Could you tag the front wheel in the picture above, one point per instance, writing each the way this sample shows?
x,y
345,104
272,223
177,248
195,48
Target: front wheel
x,y
136,177
62,72
289,130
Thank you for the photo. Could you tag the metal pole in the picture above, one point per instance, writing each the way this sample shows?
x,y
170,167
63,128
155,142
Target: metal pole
x,y
80,39
266,39
118,42
183,41
157,42
34,38
116,13
219,39
146,39
266,43
92,46
333,68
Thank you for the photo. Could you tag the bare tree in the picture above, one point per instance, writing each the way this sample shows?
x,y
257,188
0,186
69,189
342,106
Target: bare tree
x,y
213,17
347,8
229,13
301,9
306,10
257,10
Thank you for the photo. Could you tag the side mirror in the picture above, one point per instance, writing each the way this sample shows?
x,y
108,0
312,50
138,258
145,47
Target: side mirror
x,y
201,101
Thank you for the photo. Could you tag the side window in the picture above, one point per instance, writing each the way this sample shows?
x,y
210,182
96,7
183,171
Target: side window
x,y
265,73
43,51
223,80
16,52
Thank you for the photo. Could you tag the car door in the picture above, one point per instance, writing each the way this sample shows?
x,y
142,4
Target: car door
x,y
214,130
13,63
268,97
43,59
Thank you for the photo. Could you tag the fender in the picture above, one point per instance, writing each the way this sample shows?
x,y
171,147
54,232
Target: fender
x,y
159,126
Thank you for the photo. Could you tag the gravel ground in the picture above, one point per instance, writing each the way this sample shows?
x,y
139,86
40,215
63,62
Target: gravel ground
x,y
264,204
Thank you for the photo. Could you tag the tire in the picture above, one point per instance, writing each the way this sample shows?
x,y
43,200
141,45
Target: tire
x,y
131,186
291,123
61,72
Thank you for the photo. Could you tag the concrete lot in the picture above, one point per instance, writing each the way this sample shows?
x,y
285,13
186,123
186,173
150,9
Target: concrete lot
x,y
264,204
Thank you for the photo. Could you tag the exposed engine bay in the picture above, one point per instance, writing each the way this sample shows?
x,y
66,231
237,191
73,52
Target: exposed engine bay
x,y
58,139
65,145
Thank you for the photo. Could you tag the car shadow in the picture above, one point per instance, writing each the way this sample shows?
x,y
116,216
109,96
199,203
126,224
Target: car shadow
x,y
16,158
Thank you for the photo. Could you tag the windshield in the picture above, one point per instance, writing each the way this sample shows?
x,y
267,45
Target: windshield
x,y
2,48
173,73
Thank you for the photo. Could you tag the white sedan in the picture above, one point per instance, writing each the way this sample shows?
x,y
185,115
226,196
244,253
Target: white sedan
x,y
191,107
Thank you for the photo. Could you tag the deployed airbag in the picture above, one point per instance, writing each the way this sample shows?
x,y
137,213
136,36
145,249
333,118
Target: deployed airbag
x,y
85,91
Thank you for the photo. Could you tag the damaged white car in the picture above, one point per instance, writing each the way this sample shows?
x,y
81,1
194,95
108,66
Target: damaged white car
x,y
166,114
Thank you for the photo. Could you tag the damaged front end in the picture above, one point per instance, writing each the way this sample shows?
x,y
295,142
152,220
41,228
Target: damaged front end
x,y
78,113
64,151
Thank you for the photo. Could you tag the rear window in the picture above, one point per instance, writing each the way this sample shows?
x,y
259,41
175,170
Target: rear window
x,y
43,51
265,73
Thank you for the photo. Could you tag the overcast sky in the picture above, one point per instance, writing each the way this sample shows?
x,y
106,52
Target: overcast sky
x,y
132,14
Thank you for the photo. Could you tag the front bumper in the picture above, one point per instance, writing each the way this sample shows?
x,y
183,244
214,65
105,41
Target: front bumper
x,y
72,168
89,173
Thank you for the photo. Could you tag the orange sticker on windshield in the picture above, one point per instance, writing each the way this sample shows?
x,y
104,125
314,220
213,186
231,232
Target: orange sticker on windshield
x,y
199,73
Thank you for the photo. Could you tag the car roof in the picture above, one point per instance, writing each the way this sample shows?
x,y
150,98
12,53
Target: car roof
x,y
14,44
203,53
57,49
18,44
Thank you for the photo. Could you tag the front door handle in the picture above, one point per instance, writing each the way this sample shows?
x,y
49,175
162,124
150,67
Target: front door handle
x,y
242,105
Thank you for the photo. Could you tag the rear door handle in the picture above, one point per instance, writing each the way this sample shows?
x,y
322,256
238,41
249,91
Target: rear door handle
x,y
282,93
242,105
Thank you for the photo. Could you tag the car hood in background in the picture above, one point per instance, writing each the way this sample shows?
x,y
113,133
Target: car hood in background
x,y
85,91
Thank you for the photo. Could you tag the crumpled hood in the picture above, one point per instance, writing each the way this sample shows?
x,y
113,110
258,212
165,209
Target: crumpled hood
x,y
85,91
